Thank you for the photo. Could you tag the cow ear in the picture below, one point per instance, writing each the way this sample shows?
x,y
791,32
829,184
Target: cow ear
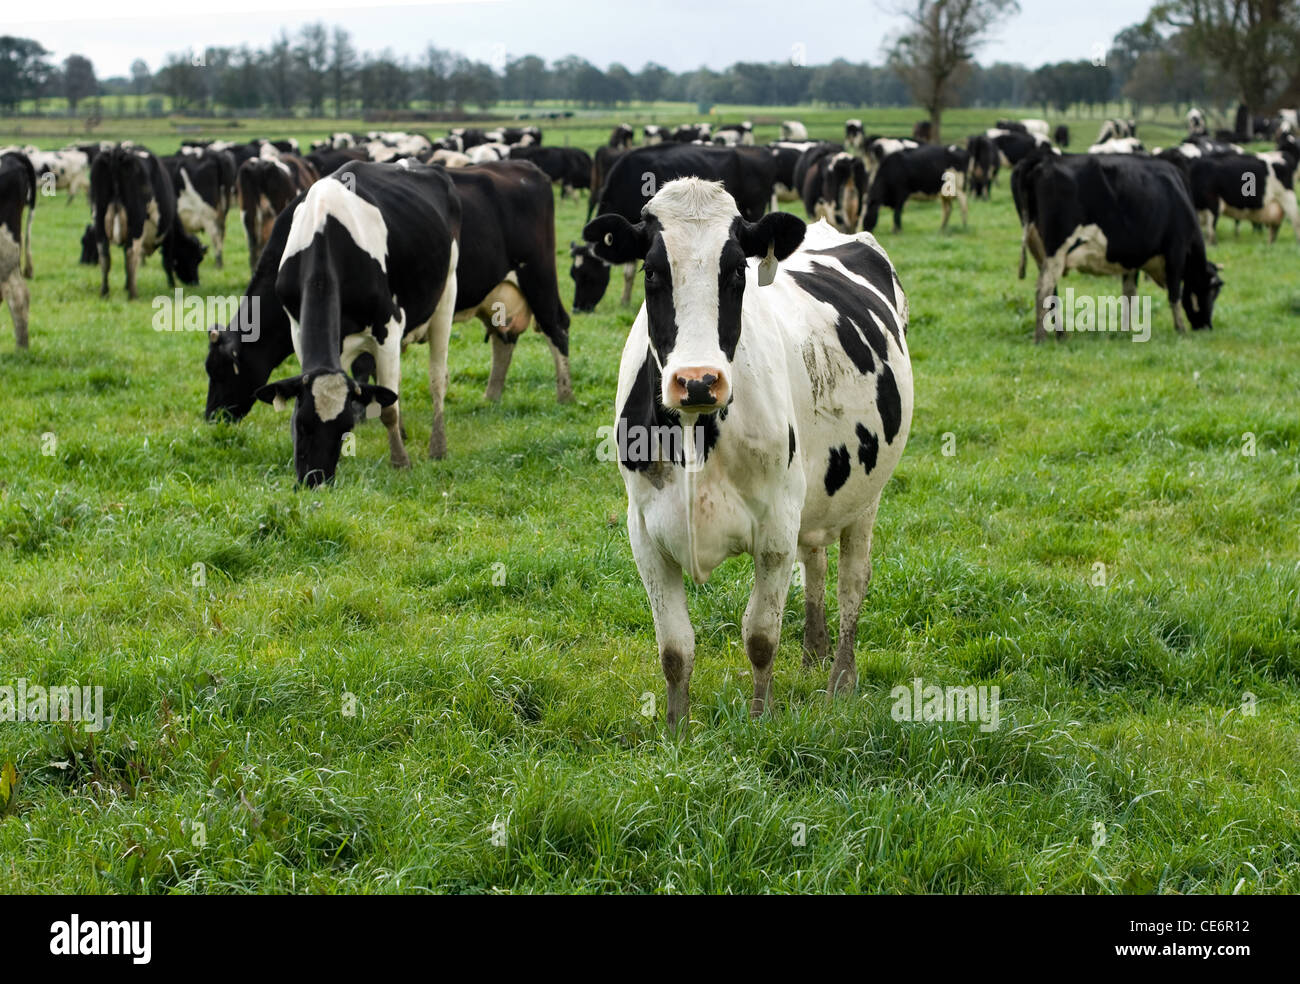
x,y
773,237
616,240
374,397
279,393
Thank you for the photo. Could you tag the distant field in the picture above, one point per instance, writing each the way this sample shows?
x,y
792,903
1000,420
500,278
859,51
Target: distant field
x,y
484,618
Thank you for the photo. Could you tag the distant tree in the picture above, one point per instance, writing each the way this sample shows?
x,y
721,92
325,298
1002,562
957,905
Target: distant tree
x,y
342,68
384,81
277,68
141,78
24,70
938,46
651,81
842,83
525,79
78,80
312,57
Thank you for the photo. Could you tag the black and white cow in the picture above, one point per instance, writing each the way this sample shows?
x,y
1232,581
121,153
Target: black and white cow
x,y
601,162
984,163
569,167
764,399
747,173
327,160
133,205
17,192
469,137
1116,129
787,153
1078,213
265,186
1196,126
621,137
923,173
511,136
793,131
923,131
1034,128
1118,145
688,132
735,135
67,169
1259,188
368,264
654,134
833,186
205,190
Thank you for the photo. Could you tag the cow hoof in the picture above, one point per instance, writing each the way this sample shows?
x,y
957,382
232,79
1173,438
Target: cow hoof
x,y
401,463
492,396
844,680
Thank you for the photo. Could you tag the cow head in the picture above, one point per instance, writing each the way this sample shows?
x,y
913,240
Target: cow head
x,y
853,136
187,254
590,277
695,243
328,403
844,186
1201,287
232,381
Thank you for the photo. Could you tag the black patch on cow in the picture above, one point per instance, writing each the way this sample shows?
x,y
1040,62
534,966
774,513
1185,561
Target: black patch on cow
x,y
860,259
661,313
868,448
889,403
790,460
644,422
731,295
855,306
837,472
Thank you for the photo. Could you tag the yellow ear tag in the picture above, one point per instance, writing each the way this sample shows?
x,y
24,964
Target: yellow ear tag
x,y
767,267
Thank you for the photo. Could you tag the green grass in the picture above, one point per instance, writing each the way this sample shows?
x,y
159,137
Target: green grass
x,y
515,709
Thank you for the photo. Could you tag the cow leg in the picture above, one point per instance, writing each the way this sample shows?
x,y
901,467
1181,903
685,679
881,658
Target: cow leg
x,y
629,274
1292,211
216,230
816,640
674,633
27,245
854,576
762,623
17,297
898,219
388,373
946,205
502,351
1272,234
963,205
132,260
563,382
1128,288
1048,274
439,334
105,264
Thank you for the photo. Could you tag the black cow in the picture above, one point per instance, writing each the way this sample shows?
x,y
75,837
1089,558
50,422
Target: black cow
x,y
569,167
134,206
205,189
1061,135
265,186
984,162
621,137
1108,214
747,173
932,171
17,192
368,264
923,131
833,186
327,160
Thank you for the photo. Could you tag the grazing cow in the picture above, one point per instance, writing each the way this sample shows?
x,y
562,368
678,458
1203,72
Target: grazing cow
x,y
327,160
733,372
654,134
621,137
735,135
688,132
265,187
368,264
485,153
133,205
601,162
924,173
569,167
69,168
833,186
590,276
747,173
794,131
1118,145
1259,188
449,158
787,153
1061,135
1111,214
468,137
17,192
205,189
1116,129
984,162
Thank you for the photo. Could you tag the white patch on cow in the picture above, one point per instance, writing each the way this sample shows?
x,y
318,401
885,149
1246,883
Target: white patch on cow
x,y
329,393
327,199
195,214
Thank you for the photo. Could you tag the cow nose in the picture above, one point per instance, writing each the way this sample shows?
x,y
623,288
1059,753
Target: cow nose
x,y
700,387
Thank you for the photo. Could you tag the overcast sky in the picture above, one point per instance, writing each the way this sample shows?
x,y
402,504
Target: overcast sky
x,y
681,34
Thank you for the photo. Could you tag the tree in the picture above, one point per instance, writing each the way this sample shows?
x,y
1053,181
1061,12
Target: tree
x,y
277,66
937,48
1256,43
78,80
311,55
525,79
141,79
23,70
651,82
342,68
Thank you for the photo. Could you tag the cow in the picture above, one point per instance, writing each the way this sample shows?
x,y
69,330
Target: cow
x,y
748,174
654,134
525,136
368,265
689,132
17,192
793,131
833,186
923,131
327,160
1115,129
205,190
1078,212
984,161
69,169
1061,135
505,274
735,135
787,153
601,161
759,345
621,137
569,167
1196,123
1259,188
468,137
133,205
1038,129
932,171
590,276
485,153
265,187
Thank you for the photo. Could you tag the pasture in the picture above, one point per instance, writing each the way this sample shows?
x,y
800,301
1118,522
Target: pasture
x,y
445,679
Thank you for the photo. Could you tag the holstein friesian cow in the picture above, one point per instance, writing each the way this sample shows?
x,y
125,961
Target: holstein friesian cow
x,y
1061,135
923,131
1116,129
1259,188
69,169
793,131
688,132
1196,123
205,190
925,173
569,167
983,166
787,153
764,398
601,162
327,160
735,135
747,173
1077,213
133,205
367,264
17,192
1117,145
621,137
265,186
654,134
833,186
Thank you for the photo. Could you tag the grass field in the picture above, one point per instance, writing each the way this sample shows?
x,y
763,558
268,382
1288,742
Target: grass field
x,y
483,619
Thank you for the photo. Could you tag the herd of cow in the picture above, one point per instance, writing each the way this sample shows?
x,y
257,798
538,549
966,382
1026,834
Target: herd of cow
x,y
761,406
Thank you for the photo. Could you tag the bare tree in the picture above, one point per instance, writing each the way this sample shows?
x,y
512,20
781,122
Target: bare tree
x,y
935,52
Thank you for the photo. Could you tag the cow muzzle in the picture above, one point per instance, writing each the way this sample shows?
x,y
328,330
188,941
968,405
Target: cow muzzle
x,y
698,388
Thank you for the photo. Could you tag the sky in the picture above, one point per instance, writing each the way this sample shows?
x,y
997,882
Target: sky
x,y
680,34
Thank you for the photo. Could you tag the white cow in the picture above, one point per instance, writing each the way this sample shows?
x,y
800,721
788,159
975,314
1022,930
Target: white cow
x,y
759,410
